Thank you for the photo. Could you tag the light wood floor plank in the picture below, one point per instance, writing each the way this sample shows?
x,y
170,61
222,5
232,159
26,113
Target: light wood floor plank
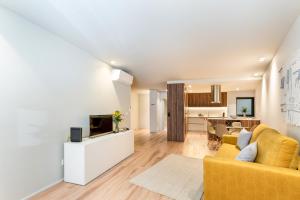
x,y
114,184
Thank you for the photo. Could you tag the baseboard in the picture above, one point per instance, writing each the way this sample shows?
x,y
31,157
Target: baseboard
x,y
42,189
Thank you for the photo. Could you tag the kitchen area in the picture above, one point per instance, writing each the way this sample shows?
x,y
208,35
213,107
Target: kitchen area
x,y
212,109
218,107
197,117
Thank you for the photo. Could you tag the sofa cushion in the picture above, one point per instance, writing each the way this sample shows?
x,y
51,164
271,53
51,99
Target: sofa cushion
x,y
243,139
228,151
248,153
275,149
257,131
230,139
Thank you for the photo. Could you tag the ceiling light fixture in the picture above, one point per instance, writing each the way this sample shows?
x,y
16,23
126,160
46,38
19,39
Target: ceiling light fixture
x,y
257,74
112,62
262,59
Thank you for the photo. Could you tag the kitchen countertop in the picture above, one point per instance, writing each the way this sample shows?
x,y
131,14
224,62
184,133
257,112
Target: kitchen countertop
x,y
223,118
203,116
231,119
196,117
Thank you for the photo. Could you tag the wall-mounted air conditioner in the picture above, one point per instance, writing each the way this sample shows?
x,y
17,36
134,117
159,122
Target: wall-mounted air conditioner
x,y
121,76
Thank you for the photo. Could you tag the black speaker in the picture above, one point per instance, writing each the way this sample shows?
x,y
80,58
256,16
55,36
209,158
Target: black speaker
x,y
76,134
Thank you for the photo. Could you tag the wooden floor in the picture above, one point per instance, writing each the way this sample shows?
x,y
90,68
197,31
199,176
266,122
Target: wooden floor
x,y
114,184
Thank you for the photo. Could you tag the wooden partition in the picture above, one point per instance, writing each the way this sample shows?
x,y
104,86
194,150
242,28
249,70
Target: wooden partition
x,y
176,116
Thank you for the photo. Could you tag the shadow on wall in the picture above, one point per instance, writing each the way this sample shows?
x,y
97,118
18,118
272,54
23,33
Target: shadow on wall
x,y
123,93
30,124
294,132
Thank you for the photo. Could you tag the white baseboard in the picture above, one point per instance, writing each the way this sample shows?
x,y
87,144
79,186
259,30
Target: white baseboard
x,y
42,189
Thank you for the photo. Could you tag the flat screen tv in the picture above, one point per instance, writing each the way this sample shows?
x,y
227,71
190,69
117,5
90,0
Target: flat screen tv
x,y
101,124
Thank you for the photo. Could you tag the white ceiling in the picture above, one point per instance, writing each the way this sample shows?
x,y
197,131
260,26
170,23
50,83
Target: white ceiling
x,y
161,40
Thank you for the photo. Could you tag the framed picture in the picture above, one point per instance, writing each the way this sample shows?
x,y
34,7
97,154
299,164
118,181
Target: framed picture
x,y
245,106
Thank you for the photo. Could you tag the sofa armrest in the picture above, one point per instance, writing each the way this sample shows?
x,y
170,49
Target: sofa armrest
x,y
230,139
226,179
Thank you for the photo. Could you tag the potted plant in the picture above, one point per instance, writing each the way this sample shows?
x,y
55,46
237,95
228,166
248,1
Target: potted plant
x,y
117,118
244,111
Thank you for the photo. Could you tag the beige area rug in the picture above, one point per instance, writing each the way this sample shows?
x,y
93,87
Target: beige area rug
x,y
177,177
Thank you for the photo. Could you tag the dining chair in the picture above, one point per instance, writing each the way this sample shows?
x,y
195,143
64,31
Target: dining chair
x,y
236,124
221,129
212,138
211,132
236,128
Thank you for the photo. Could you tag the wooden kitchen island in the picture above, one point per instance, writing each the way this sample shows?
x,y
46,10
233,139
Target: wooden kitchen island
x,y
248,123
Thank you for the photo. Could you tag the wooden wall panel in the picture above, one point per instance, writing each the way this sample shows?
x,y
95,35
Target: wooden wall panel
x,y
180,112
176,115
171,112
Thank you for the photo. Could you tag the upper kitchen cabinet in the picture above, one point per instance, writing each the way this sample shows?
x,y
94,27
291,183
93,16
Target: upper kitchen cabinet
x,y
198,99
205,100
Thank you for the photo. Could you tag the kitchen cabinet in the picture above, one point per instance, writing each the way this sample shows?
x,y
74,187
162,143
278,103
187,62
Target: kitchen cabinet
x,y
205,100
196,124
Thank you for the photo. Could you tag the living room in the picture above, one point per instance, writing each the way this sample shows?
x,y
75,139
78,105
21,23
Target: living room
x,y
155,81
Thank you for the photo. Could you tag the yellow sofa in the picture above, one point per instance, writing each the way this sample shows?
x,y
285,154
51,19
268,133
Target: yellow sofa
x,y
273,175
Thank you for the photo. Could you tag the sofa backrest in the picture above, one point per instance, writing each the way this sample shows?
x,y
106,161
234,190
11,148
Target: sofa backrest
x,y
296,162
276,149
257,131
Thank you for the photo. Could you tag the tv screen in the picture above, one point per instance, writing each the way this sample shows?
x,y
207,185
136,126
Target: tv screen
x,y
100,124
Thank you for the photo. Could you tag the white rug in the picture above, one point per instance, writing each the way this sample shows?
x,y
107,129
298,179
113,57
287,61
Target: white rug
x,y
176,176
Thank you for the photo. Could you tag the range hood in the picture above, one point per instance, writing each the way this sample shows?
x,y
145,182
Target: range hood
x,y
216,93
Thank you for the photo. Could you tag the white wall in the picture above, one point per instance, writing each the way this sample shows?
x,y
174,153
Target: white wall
x,y
231,100
258,101
141,109
157,109
154,107
270,87
144,111
134,121
47,85
162,110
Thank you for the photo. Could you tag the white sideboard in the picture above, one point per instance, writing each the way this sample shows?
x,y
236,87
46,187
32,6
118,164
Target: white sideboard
x,y
84,161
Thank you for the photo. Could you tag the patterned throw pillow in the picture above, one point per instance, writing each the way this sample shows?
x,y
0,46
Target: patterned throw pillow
x,y
249,153
243,139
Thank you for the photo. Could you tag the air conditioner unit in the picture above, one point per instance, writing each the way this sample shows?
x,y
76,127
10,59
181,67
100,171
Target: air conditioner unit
x,y
118,75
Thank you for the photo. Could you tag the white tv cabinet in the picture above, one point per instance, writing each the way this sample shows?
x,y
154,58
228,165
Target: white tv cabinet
x,y
84,161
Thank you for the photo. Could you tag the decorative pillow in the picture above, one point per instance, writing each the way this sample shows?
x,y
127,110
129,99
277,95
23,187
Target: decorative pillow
x,y
243,139
249,153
